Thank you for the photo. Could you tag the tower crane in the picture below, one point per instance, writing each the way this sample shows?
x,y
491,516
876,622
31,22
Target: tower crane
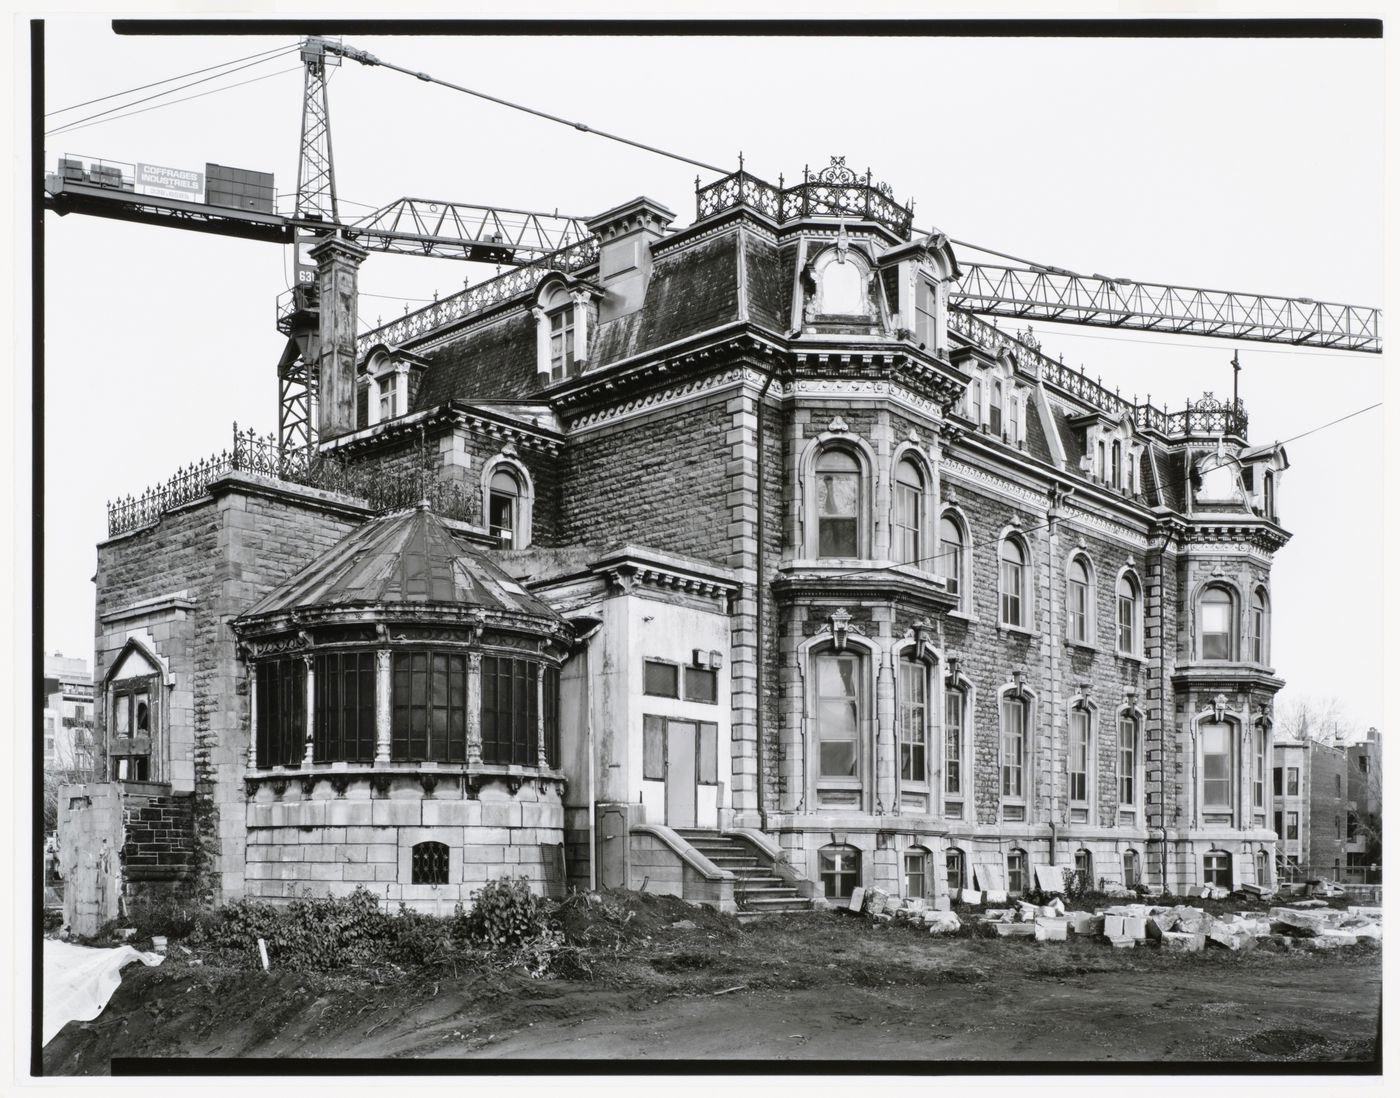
x,y
454,230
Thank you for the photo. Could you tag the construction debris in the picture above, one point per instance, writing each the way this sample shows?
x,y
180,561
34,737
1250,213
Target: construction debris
x,y
942,922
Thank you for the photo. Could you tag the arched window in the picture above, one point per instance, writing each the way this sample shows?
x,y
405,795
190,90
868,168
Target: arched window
x,y
916,873
1080,614
1217,613
1013,584
430,863
909,496
842,290
839,868
994,409
1127,760
957,868
952,557
838,714
954,721
1129,615
1080,755
1084,866
913,720
1132,869
504,507
1259,626
839,503
1261,868
1268,493
1013,747
1217,766
1017,871
1217,869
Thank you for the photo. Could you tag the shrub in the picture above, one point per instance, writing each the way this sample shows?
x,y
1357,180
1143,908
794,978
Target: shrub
x,y
167,917
506,914
321,933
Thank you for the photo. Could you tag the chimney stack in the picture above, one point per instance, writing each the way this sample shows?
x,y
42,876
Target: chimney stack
x,y
337,277
626,234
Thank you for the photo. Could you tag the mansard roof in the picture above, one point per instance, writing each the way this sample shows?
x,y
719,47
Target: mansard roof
x,y
403,561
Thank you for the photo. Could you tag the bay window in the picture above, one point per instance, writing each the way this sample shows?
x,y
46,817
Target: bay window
x,y
345,709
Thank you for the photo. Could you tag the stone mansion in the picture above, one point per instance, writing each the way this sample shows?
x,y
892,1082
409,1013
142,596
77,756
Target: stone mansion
x,y
731,534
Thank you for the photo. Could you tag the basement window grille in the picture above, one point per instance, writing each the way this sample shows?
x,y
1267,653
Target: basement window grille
x,y
430,864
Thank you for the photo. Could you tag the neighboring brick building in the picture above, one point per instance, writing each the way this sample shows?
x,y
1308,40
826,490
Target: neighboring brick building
x,y
1363,846
889,593
1311,802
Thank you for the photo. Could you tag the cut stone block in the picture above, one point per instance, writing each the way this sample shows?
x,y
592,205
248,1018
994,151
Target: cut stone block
x,y
1027,912
1369,930
971,896
997,896
857,898
999,915
1341,937
1051,930
1121,942
1082,923
942,922
1372,911
1015,930
1232,936
1181,942
1134,926
1113,926
942,903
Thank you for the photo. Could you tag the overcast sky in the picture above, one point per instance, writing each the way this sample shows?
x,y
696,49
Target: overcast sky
x,y
1245,165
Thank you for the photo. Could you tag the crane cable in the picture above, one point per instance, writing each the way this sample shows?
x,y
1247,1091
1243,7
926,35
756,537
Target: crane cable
x,y
170,103
167,80
168,91
370,59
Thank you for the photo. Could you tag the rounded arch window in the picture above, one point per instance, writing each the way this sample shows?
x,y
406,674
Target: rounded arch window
x,y
1084,866
1129,603
1017,871
838,476
1261,868
1259,626
1217,614
956,864
909,507
952,550
1013,583
841,286
1080,601
916,873
1132,869
503,517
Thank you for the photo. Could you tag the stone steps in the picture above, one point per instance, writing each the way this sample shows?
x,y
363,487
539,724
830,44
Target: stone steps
x,y
758,890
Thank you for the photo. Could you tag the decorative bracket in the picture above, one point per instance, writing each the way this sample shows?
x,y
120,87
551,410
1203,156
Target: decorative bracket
x,y
308,783
428,782
250,787
513,783
340,783
1220,702
840,622
279,786
473,786
380,783
1018,677
838,426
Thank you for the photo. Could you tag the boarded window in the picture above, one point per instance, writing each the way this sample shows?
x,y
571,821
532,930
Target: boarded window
x,y
708,768
654,748
701,685
345,710
551,716
661,680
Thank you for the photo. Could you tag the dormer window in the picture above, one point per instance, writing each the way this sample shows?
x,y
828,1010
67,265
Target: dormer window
x,y
994,409
564,315
508,501
388,389
505,497
841,281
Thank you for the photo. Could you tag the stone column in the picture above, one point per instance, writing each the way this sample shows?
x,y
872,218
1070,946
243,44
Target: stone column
x,y
541,341
473,709
337,265
309,755
543,756
886,756
252,717
383,711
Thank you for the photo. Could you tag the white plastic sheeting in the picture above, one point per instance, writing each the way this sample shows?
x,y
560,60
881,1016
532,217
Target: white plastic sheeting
x,y
78,981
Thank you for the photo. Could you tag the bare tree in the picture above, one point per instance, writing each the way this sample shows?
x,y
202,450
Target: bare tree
x,y
1316,718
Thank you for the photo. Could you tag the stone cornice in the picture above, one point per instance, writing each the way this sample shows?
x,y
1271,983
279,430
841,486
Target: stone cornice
x,y
811,580
1235,530
632,566
1235,677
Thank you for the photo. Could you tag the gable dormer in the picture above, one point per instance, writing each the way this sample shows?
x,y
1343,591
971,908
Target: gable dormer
x,y
839,288
996,397
386,383
1215,481
923,270
1112,450
1262,469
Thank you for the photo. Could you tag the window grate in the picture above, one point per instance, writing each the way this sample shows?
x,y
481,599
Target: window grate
x,y
430,864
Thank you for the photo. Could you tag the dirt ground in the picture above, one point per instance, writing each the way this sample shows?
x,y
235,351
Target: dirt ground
x,y
817,986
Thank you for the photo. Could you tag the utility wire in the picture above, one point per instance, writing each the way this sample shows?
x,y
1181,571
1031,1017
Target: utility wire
x,y
1174,482
168,91
170,103
167,80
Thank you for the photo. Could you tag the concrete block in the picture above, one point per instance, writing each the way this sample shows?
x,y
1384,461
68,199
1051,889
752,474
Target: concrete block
x,y
1113,926
1015,930
1135,926
1051,929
